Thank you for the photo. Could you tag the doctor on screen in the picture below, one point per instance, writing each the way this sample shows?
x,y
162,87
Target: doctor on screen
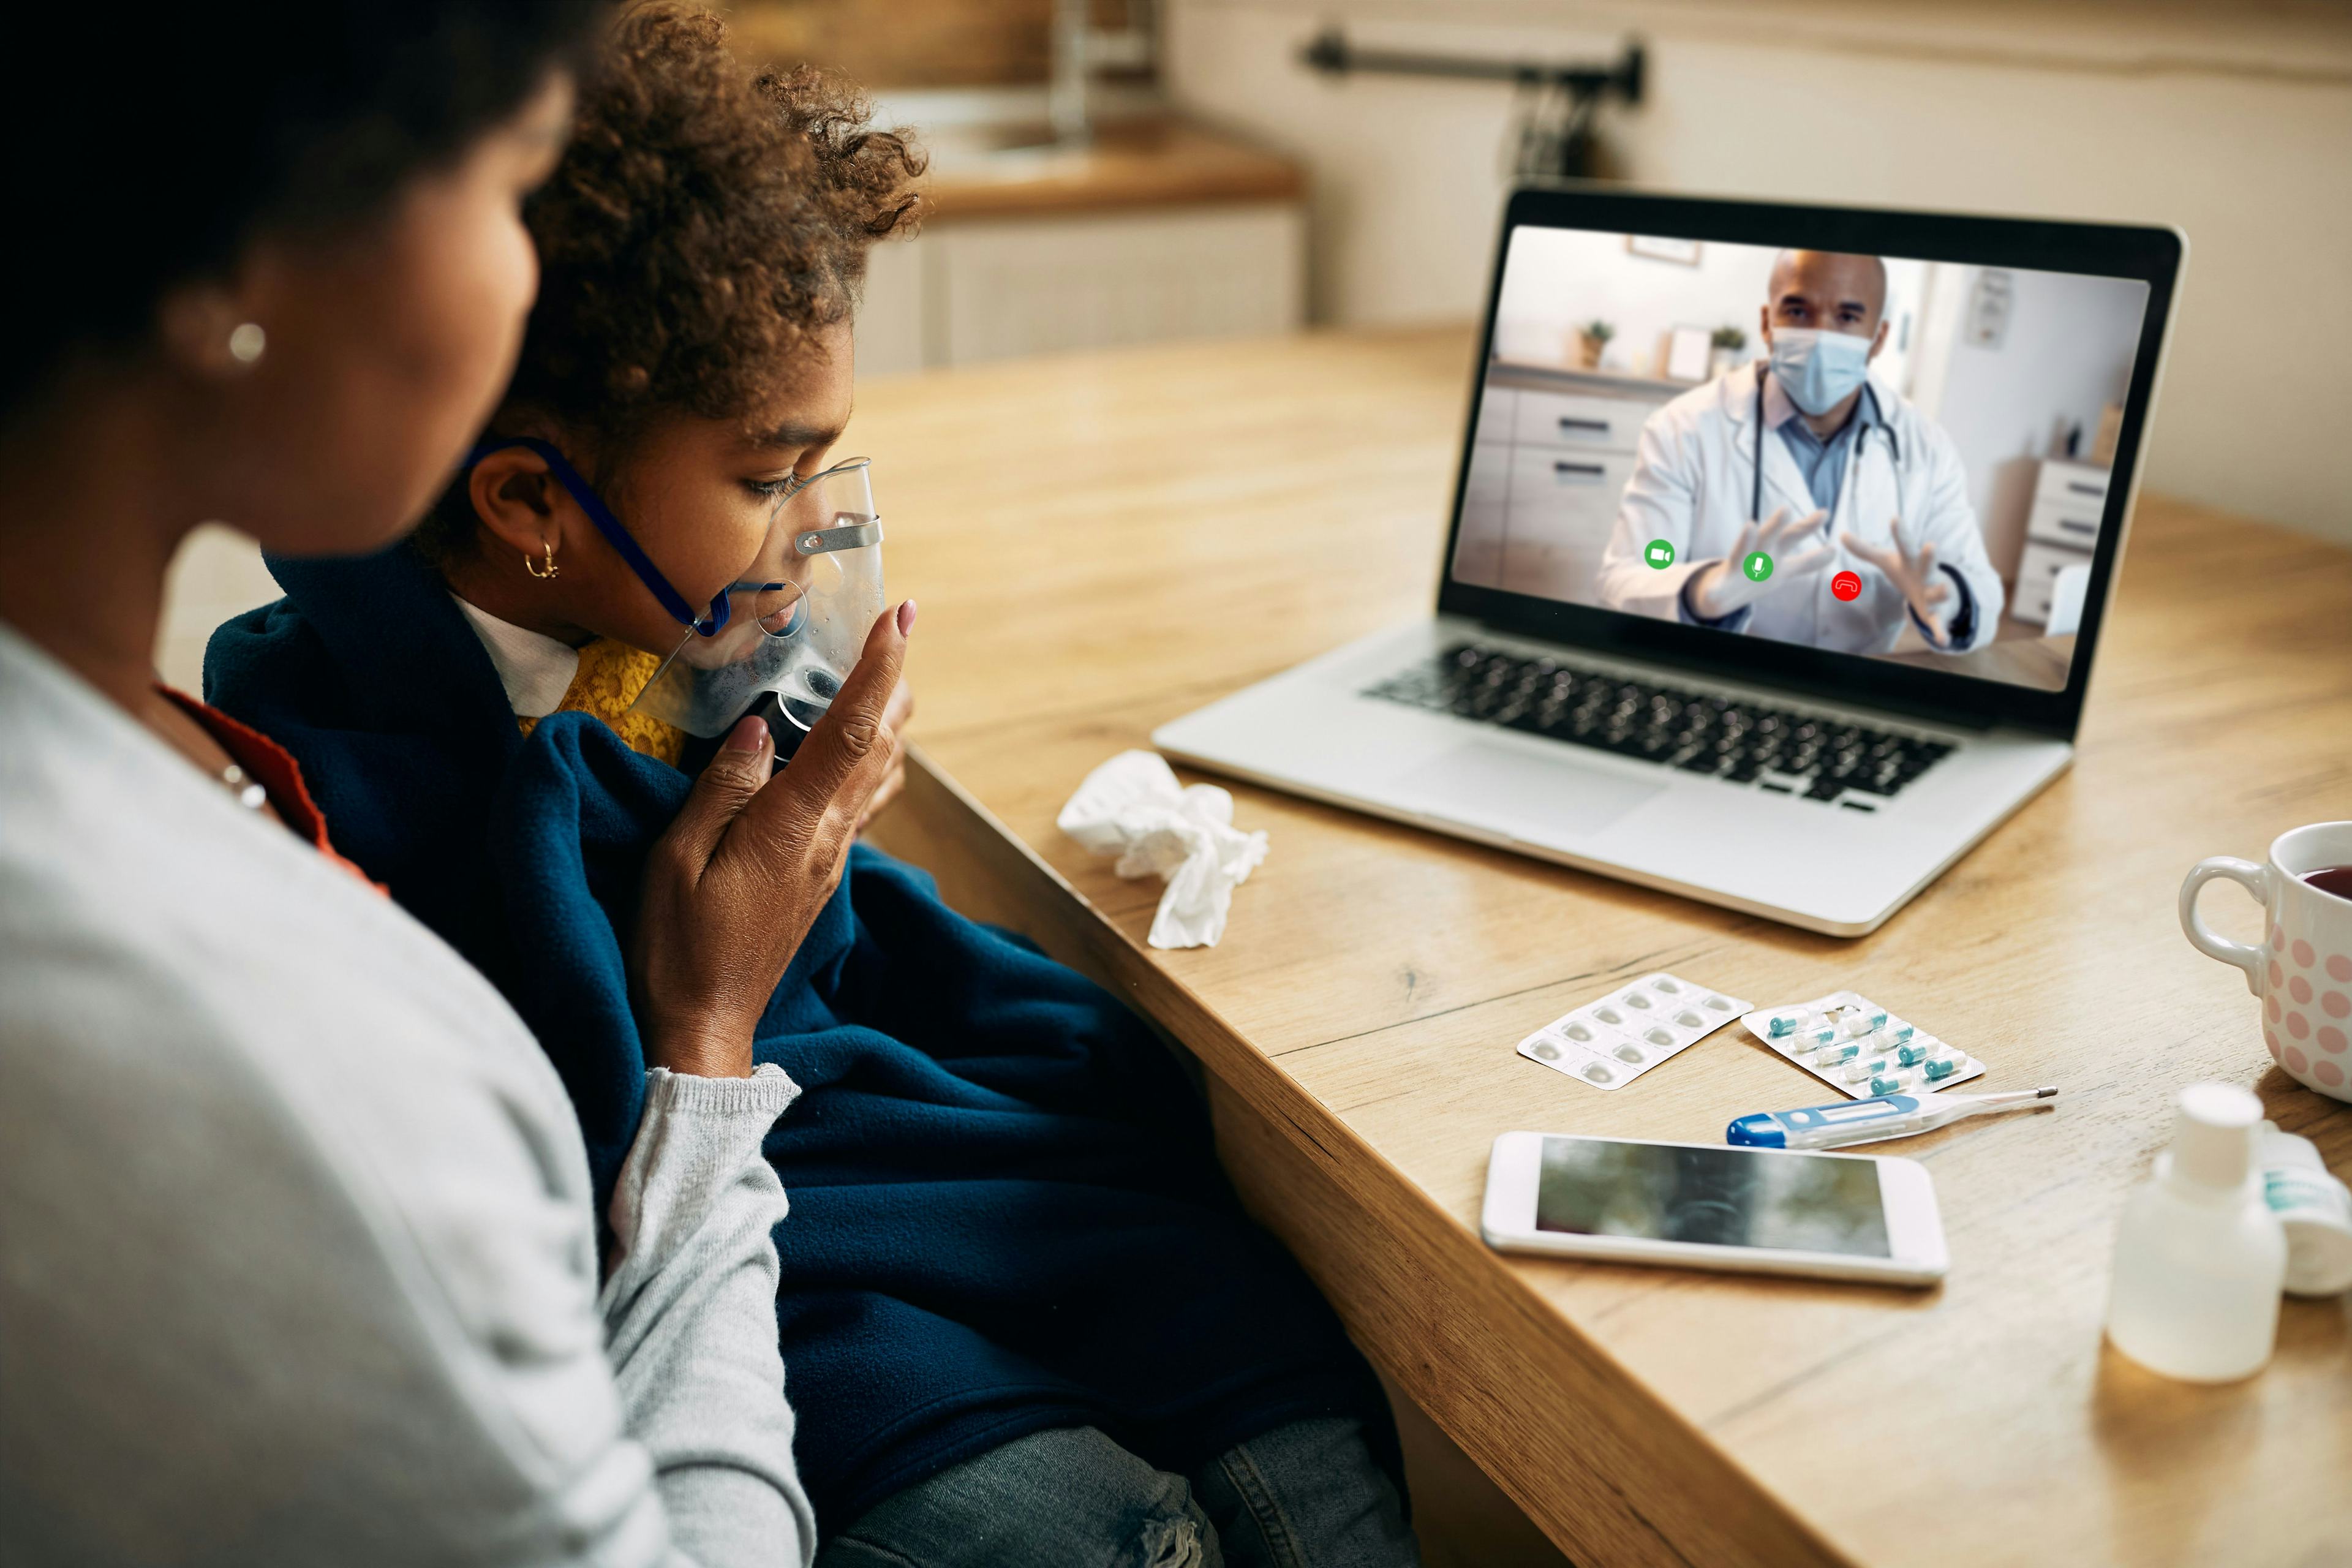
x,y
1778,485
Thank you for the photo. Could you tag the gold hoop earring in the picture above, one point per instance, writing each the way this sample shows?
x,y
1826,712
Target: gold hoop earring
x,y
549,570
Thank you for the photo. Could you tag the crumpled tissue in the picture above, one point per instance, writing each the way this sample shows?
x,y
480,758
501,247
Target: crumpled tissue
x,y
1132,808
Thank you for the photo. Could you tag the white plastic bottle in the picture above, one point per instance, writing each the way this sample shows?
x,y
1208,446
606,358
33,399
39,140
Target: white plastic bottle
x,y
2200,1258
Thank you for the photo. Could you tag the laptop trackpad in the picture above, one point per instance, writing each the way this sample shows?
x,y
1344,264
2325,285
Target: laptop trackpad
x,y
1506,790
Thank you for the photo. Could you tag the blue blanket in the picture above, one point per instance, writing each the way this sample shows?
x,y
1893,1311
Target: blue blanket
x,y
1006,1213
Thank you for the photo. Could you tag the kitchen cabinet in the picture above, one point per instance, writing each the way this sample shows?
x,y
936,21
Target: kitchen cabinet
x,y
1155,229
998,289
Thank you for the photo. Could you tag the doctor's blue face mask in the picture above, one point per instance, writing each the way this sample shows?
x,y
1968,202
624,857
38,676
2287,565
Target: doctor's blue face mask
x,y
1819,369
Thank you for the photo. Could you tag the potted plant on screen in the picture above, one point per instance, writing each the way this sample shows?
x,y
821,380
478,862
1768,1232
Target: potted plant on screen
x,y
1591,340
1724,348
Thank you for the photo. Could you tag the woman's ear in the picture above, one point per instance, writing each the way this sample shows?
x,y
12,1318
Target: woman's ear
x,y
204,329
217,328
517,501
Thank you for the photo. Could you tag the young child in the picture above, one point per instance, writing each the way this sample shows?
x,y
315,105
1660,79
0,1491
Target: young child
x,y
1023,1320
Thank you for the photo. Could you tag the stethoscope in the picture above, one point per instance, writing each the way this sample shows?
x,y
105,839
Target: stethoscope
x,y
1861,443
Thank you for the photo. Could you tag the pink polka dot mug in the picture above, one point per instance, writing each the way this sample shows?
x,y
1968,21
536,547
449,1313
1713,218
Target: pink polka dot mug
x,y
2303,969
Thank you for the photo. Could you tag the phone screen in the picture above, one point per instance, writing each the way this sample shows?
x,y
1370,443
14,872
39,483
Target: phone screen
x,y
1713,1197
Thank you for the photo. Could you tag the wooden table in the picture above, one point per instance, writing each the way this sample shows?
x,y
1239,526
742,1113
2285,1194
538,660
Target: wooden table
x,y
1102,543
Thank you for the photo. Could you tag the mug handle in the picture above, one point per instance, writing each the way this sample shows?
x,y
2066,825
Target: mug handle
x,y
2255,879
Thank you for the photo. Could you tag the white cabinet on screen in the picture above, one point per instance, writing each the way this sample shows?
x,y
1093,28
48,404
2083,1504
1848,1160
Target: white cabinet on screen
x,y
986,289
1554,451
2070,503
1486,492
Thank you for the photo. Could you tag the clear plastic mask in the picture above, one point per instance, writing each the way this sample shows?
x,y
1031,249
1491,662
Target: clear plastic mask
x,y
797,618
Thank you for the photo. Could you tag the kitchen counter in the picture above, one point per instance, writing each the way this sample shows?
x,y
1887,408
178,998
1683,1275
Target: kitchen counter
x,y
1160,160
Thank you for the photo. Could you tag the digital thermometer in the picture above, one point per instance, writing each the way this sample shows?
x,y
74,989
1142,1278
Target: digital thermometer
x,y
1869,1120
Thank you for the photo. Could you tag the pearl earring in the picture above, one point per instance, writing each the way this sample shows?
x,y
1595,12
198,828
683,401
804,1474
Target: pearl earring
x,y
246,341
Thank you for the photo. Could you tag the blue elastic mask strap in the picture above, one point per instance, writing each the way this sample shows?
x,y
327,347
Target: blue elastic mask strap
x,y
707,625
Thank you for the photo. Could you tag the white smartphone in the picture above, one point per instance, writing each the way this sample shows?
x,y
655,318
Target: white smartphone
x,y
1711,1205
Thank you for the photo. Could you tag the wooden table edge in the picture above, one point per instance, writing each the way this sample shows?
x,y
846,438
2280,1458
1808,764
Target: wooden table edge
x,y
1646,1486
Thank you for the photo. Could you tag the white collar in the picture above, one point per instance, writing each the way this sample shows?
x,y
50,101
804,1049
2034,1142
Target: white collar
x,y
535,669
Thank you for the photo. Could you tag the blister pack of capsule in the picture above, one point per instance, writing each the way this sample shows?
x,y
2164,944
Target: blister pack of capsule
x,y
1610,1043
1856,1046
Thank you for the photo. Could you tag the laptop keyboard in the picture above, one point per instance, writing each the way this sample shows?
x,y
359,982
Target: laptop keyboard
x,y
1775,749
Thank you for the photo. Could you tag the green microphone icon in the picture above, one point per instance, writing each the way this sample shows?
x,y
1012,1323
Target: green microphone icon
x,y
1758,567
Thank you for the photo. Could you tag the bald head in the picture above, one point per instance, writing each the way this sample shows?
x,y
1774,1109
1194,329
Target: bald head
x,y
1826,289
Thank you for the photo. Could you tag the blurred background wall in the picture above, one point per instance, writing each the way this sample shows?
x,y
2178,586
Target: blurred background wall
x,y
2233,121
1226,189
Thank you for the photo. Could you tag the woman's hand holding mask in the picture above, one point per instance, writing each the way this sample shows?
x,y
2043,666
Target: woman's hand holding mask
x,y
733,885
900,708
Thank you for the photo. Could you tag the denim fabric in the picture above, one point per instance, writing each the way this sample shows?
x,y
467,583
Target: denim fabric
x,y
1308,1495
1305,1496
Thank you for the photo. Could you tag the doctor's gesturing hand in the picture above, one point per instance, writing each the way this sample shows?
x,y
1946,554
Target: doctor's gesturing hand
x,y
1913,572
733,885
1726,587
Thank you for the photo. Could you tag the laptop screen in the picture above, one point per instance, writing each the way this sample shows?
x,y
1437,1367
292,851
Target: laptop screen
x,y
1895,458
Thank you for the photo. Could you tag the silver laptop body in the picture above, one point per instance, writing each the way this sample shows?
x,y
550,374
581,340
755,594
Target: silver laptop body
x,y
1809,783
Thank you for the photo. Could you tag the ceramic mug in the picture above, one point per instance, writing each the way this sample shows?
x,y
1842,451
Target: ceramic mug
x,y
2303,970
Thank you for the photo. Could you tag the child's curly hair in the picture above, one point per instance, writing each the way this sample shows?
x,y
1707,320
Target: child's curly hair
x,y
704,220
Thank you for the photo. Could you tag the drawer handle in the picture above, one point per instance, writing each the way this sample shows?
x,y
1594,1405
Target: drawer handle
x,y
1579,471
2080,488
2070,526
1567,424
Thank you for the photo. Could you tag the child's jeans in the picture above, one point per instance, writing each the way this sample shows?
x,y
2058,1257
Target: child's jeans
x,y
1304,1495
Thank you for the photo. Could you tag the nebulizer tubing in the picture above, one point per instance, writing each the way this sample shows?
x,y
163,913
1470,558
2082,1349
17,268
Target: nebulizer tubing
x,y
708,623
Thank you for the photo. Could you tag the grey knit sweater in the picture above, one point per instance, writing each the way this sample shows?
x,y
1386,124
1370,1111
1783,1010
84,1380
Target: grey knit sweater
x,y
297,1264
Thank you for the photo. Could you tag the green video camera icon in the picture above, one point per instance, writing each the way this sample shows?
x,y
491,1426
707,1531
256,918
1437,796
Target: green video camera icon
x,y
1659,554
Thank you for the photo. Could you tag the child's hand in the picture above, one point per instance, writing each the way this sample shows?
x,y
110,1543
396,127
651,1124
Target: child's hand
x,y
733,885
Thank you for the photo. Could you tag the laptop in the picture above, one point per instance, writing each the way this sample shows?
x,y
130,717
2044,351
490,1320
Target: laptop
x,y
1649,657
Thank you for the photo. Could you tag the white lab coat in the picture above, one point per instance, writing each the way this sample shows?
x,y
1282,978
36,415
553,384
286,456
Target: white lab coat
x,y
1692,485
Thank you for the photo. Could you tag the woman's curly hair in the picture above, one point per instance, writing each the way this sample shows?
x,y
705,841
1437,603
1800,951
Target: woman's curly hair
x,y
705,220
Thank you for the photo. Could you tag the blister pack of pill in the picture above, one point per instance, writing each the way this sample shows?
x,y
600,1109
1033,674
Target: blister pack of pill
x,y
1610,1043
1859,1047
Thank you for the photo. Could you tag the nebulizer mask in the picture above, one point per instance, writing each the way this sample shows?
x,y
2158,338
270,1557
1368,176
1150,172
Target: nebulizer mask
x,y
792,627
781,638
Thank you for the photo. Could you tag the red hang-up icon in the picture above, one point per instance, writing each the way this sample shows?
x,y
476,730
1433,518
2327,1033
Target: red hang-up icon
x,y
1846,585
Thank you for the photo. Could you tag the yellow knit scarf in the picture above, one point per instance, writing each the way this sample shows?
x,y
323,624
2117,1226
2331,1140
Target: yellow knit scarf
x,y
610,674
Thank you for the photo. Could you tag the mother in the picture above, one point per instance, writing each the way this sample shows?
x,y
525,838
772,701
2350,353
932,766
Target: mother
x,y
297,1257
